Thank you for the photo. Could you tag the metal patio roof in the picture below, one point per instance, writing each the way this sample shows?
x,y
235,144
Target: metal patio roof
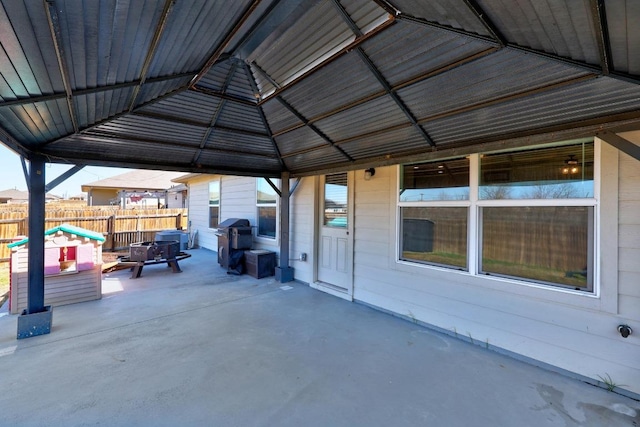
x,y
304,86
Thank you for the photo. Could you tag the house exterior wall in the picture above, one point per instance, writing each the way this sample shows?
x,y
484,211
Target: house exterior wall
x,y
237,200
176,200
101,197
575,332
629,238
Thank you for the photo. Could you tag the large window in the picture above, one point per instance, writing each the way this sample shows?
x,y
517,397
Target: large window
x,y
214,203
267,205
529,214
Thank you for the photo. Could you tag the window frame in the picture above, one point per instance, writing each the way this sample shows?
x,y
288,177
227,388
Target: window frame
x,y
474,231
259,205
217,181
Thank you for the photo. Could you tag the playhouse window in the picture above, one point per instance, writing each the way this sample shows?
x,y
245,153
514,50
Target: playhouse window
x,y
68,259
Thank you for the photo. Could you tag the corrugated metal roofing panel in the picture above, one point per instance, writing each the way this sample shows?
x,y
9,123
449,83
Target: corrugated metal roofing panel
x,y
137,152
452,13
560,27
148,128
193,31
28,62
588,100
499,74
216,76
240,86
37,122
395,142
323,91
368,117
314,37
189,105
151,91
94,107
239,162
242,143
318,158
278,116
241,116
622,18
407,50
105,42
298,140
366,14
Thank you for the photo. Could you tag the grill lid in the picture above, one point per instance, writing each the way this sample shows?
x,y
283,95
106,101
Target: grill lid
x,y
233,222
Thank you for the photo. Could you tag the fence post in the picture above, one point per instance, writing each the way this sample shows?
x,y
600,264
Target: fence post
x,y
179,221
111,232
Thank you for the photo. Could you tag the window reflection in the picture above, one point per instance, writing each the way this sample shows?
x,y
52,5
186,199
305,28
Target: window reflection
x,y
443,180
335,200
547,173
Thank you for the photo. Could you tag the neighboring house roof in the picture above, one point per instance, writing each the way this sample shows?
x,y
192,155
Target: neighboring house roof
x,y
178,188
14,194
184,178
66,228
136,179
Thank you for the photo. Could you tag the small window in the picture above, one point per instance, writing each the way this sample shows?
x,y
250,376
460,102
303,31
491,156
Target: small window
x,y
267,206
60,260
335,201
214,204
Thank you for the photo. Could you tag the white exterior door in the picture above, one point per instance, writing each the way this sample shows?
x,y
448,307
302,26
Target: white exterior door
x,y
335,231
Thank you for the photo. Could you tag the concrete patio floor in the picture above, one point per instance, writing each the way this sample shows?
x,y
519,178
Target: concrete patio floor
x,y
203,348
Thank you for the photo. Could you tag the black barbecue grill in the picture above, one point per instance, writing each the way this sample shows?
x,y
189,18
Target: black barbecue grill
x,y
234,236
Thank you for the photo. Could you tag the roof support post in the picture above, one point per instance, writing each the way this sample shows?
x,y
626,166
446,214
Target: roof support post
x,y
284,273
36,319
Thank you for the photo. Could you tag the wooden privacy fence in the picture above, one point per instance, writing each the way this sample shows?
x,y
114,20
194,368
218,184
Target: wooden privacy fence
x,y
119,227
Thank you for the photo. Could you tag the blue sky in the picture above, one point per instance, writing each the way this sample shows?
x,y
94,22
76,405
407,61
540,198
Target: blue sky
x,y
11,175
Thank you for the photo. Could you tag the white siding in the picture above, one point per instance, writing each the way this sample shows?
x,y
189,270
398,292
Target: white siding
x,y
238,200
301,230
577,333
199,212
629,239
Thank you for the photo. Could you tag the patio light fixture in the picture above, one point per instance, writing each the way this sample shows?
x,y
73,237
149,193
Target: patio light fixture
x,y
368,173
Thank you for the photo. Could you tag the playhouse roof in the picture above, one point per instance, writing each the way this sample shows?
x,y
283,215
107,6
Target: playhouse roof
x,y
66,228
